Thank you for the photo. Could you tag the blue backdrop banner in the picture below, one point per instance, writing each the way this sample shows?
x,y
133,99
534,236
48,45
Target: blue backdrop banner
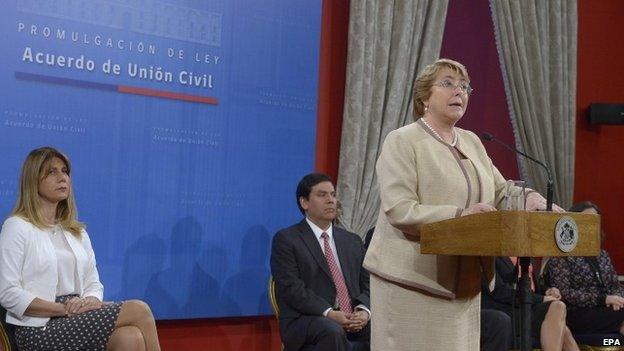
x,y
188,124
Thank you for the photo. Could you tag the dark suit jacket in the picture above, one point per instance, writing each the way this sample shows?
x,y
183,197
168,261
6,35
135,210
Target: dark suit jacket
x,y
504,295
303,282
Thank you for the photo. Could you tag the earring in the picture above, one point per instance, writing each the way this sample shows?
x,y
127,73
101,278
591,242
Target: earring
x,y
426,108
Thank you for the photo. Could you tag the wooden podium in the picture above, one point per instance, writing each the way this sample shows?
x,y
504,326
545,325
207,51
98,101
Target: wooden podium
x,y
514,233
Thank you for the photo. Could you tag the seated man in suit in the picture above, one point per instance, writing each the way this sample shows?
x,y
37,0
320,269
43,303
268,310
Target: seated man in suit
x,y
321,287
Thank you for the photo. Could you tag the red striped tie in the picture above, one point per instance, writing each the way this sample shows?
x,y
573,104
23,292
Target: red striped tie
x,y
342,293
514,260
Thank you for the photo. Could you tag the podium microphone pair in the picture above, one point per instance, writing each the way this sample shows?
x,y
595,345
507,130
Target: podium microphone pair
x,y
549,185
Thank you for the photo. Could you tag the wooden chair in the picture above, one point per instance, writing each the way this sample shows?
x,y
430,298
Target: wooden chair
x,y
273,300
272,297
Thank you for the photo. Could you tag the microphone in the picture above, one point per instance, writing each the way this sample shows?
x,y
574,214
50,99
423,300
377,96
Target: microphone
x,y
549,185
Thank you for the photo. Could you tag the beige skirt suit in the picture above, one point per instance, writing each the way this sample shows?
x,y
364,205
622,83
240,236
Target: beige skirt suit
x,y
427,302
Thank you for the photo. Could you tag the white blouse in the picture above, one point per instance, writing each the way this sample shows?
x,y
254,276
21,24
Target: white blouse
x,y
65,261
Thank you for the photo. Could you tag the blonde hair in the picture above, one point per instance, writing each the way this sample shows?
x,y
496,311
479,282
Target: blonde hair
x,y
28,205
424,82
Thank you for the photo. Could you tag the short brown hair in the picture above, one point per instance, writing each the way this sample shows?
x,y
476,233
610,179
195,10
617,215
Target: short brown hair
x,y
28,203
424,81
304,188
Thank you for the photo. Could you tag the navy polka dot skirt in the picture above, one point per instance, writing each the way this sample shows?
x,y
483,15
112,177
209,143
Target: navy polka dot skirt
x,y
86,331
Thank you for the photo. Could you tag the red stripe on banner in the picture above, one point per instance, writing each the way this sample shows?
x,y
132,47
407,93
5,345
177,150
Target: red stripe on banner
x,y
168,95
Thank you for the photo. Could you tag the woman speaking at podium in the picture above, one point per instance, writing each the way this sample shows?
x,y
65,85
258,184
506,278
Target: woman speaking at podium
x,y
430,171
49,281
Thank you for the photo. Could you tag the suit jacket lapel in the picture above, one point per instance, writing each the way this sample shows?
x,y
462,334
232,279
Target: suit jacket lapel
x,y
509,264
342,247
308,237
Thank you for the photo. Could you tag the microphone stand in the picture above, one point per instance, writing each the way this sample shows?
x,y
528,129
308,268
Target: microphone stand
x,y
549,183
523,287
549,193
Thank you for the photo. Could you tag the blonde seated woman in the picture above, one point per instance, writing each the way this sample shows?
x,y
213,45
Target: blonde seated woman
x,y
49,281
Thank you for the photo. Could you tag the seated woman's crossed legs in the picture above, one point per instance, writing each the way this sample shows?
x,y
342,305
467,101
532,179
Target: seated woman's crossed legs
x,y
135,328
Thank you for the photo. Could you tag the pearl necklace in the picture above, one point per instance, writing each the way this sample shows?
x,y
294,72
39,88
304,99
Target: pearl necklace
x,y
453,143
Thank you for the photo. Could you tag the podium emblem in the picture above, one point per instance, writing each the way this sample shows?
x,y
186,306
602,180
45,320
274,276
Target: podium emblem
x,y
566,234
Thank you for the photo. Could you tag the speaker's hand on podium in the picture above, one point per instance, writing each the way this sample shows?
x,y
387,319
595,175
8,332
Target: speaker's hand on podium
x,y
536,202
478,208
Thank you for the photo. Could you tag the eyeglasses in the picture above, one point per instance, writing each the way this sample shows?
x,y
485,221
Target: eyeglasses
x,y
463,86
